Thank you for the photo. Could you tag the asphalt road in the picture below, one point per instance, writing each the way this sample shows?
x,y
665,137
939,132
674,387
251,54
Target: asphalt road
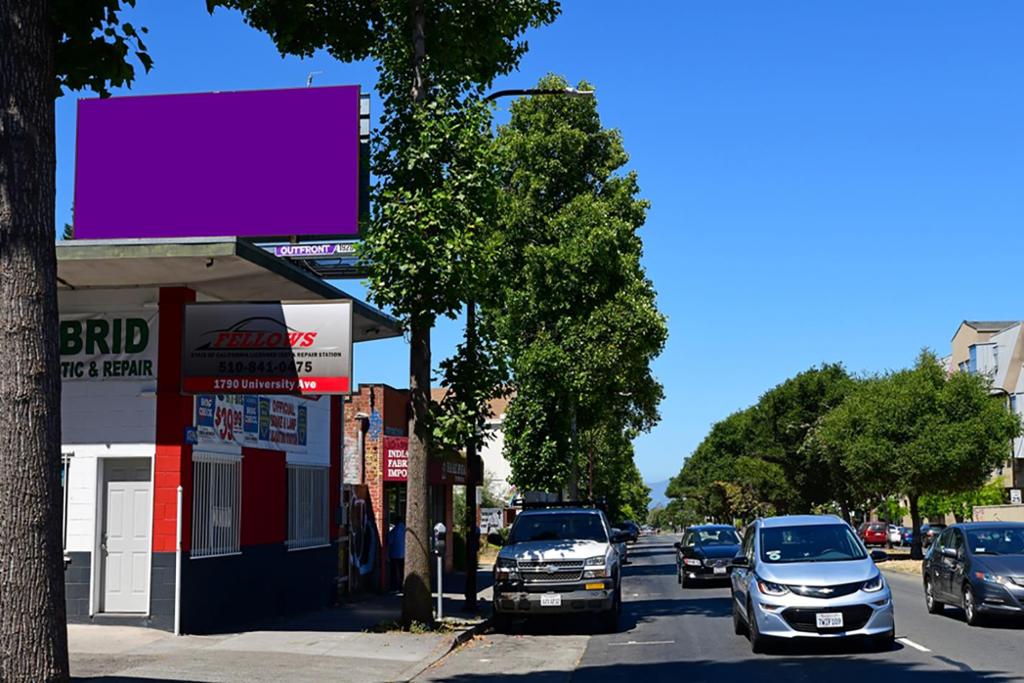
x,y
670,634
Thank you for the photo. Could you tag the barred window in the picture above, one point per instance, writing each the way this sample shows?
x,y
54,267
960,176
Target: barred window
x,y
308,501
216,504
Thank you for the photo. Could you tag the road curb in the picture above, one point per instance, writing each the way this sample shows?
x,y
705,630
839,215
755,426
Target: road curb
x,y
460,638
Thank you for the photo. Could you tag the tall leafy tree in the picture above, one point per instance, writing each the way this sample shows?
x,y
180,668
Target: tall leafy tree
x,y
756,461
917,432
434,60
45,48
573,304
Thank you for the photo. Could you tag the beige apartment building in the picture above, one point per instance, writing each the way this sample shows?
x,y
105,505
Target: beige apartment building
x,y
995,348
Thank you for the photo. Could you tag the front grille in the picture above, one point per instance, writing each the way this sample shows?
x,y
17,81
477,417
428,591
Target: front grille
x,y
553,571
826,592
801,619
717,562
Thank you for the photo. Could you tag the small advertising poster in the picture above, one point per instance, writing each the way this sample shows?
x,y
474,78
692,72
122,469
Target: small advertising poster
x,y
351,463
97,347
267,348
396,458
272,422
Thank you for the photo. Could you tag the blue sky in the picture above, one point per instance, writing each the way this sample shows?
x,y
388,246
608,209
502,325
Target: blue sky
x,y
829,181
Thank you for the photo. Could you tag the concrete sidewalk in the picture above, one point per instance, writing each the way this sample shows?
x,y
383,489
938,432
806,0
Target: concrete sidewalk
x,y
332,644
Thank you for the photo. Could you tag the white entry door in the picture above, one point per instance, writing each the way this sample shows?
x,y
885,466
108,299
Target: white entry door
x,y
124,546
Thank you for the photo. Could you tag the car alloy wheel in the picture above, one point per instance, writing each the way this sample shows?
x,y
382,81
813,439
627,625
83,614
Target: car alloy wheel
x,y
970,608
933,605
738,627
753,632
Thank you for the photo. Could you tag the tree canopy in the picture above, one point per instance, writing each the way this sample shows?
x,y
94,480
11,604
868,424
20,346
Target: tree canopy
x,y
572,303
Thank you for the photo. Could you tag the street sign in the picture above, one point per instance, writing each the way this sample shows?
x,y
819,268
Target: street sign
x,y
1015,498
267,348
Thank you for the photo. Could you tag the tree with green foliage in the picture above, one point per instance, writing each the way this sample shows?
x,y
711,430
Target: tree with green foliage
x,y
961,505
612,475
573,305
755,462
45,49
917,432
432,201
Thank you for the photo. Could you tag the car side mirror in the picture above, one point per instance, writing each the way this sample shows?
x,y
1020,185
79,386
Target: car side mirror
x,y
740,561
677,545
494,538
619,536
879,555
949,552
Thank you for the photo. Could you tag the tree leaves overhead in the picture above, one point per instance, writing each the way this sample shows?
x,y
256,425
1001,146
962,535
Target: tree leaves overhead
x,y
94,47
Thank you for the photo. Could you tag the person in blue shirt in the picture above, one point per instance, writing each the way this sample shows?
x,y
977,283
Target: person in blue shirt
x,y
396,551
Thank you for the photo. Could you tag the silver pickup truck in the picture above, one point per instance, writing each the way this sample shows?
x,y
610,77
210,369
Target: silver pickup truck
x,y
559,561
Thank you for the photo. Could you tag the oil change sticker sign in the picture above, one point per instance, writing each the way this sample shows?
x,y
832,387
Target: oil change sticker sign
x,y
271,422
108,346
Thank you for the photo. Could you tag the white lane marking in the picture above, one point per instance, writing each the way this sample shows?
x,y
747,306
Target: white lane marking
x,y
916,646
646,642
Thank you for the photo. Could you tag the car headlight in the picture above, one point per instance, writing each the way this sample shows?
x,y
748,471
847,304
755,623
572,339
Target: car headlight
x,y
691,562
595,561
991,578
769,588
506,563
874,584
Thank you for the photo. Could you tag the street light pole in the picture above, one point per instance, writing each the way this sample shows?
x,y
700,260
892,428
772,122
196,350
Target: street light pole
x,y
474,473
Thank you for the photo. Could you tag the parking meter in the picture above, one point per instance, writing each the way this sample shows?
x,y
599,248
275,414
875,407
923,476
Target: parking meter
x,y
437,540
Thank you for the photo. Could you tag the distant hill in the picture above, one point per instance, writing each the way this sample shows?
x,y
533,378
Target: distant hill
x,y
658,496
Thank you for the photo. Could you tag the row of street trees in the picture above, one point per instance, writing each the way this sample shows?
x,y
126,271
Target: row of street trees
x,y
824,440
538,225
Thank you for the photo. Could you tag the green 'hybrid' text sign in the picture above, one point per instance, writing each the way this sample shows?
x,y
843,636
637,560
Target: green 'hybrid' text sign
x,y
108,346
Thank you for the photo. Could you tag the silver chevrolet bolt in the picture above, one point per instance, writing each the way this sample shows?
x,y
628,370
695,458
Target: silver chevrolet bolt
x,y
809,576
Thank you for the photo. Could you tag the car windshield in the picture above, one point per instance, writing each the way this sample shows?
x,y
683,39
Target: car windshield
x,y
717,537
998,541
810,543
877,527
568,526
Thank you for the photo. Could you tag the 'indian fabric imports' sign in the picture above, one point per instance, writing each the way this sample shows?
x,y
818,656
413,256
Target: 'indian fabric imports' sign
x,y
267,348
396,458
108,346
259,163
271,422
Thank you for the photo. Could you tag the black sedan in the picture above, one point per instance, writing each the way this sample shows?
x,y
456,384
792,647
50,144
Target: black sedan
x,y
979,567
706,552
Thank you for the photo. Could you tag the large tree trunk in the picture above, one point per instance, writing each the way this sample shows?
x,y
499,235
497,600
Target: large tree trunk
x,y
916,551
472,476
33,634
416,588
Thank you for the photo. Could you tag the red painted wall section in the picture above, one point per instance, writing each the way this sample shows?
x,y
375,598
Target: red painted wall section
x,y
264,492
334,477
173,465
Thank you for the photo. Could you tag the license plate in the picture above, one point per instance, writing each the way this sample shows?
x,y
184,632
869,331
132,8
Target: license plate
x,y
830,620
720,570
553,600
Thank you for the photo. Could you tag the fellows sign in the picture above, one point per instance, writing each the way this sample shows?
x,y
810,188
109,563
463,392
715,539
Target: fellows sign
x,y
267,348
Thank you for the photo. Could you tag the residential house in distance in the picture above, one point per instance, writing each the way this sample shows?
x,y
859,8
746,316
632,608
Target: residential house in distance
x,y
995,348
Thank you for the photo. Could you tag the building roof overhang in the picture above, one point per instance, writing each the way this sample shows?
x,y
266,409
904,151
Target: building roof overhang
x,y
223,268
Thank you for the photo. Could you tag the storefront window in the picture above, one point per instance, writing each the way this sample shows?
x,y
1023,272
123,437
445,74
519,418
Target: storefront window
x,y
308,513
216,505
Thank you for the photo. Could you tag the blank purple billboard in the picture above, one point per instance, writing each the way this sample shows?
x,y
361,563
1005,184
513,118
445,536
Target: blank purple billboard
x,y
263,163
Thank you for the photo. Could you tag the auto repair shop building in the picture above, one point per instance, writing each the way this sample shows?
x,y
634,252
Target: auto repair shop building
x,y
258,523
